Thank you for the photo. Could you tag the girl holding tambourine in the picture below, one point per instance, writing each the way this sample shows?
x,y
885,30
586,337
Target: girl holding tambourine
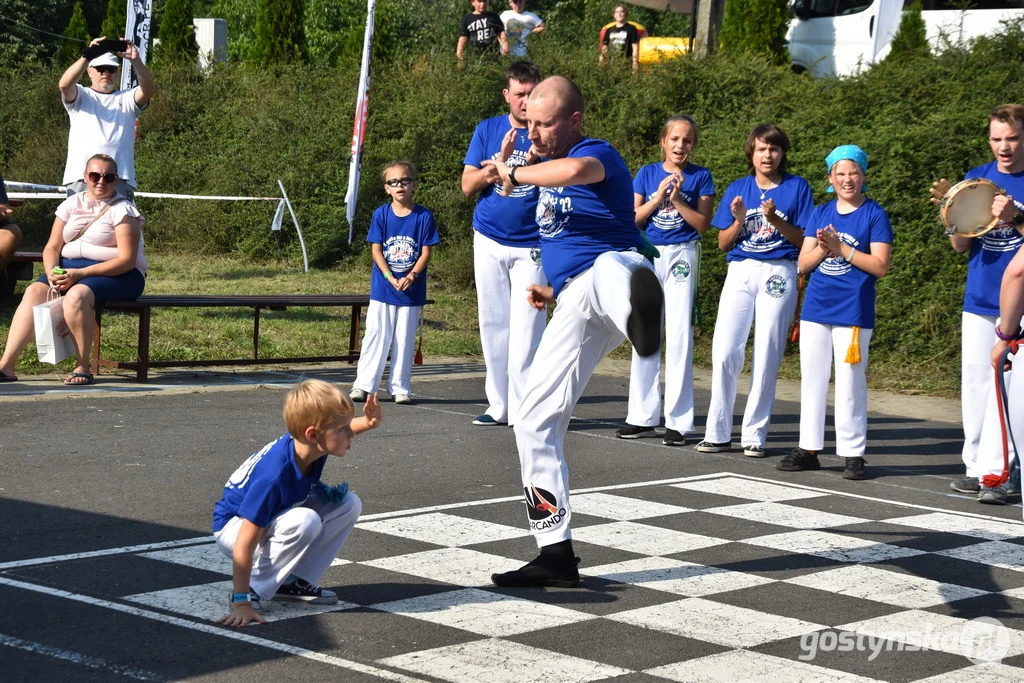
x,y
848,245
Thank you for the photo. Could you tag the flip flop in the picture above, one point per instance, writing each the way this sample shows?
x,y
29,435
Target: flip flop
x,y
4,377
70,379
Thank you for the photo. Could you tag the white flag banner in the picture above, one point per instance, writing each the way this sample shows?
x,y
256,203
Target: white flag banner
x,y
359,127
140,18
886,23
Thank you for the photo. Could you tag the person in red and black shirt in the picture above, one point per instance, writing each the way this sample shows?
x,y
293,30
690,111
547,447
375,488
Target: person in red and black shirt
x,y
623,38
481,29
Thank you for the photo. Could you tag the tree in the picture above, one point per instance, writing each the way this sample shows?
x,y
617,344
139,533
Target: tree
x,y
76,37
177,34
19,44
280,35
911,39
117,17
756,26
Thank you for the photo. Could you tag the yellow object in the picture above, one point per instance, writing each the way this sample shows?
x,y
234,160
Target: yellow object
x,y
654,50
853,353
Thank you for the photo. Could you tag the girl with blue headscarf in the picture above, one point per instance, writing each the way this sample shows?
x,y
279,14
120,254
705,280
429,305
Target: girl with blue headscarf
x,y
847,245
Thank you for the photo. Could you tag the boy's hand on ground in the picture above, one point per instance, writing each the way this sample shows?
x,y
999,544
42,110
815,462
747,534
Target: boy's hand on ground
x,y
242,614
372,411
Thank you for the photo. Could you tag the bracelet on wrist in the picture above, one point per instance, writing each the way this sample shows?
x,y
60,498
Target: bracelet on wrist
x,y
414,275
512,176
1009,337
388,275
239,597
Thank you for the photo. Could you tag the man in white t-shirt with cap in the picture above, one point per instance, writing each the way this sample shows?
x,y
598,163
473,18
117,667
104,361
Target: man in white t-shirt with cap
x,y
103,117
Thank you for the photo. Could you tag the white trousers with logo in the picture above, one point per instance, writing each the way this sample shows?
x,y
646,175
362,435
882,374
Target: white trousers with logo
x,y
388,328
819,346
510,328
302,540
589,321
676,269
765,291
983,432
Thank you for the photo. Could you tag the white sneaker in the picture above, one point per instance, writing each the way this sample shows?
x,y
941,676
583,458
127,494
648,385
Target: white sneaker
x,y
357,396
403,399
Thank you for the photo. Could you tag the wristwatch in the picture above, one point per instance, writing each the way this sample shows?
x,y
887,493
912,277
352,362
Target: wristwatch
x,y
512,176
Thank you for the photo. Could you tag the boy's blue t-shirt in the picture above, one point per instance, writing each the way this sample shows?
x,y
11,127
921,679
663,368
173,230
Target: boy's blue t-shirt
x,y
838,293
506,220
758,240
578,223
402,239
992,252
267,483
666,225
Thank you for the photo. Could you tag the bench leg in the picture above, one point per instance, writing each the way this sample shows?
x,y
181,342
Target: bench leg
x,y
142,373
353,335
256,335
96,342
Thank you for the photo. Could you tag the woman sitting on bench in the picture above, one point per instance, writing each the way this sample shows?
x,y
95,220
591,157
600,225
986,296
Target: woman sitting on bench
x,y
96,242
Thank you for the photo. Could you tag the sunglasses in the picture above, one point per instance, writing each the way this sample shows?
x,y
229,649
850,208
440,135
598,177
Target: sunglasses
x,y
399,182
105,177
106,69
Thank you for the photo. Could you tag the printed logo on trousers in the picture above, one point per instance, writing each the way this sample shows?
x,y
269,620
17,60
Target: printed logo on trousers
x,y
681,271
535,255
543,508
775,286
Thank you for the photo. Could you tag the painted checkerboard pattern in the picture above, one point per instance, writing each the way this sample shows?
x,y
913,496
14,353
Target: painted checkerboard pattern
x,y
715,578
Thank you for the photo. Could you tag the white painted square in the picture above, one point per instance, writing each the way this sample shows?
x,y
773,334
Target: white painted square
x,y
643,539
483,612
457,566
891,588
988,672
208,557
926,630
209,601
736,487
499,661
716,622
785,515
743,666
674,576
445,530
621,507
991,529
839,547
993,553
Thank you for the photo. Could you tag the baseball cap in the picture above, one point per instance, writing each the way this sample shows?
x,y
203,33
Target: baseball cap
x,y
106,59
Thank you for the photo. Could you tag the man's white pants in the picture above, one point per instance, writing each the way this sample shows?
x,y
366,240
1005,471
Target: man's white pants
x,y
302,540
589,321
676,270
762,290
983,443
510,328
819,346
387,323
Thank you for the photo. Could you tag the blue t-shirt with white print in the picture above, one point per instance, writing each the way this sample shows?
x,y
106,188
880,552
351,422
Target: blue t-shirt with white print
x,y
758,240
506,220
666,225
578,223
402,239
839,293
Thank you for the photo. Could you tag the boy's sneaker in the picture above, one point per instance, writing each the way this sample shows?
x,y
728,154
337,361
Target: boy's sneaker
x,y
712,447
486,420
357,396
854,469
643,327
673,438
546,570
966,485
403,399
304,591
799,460
997,495
635,432
753,451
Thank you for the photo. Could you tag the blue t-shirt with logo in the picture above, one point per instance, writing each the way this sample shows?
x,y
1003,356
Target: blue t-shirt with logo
x,y
992,252
758,240
666,225
838,293
506,220
578,223
267,483
402,239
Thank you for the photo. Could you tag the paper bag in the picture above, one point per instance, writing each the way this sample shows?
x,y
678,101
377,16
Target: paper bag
x,y
53,338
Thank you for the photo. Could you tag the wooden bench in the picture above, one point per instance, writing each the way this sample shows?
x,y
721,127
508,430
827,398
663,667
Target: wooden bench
x,y
144,306
19,268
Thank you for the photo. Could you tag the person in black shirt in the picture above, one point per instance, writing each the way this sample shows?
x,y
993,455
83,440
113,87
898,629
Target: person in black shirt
x,y
481,29
10,234
623,38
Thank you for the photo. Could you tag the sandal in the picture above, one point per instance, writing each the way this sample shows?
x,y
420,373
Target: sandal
x,y
4,377
72,379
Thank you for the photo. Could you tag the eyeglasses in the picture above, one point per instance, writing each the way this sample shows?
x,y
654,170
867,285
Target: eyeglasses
x,y
399,182
106,69
105,177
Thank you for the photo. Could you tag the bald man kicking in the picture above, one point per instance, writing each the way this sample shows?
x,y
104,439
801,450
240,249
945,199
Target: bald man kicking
x,y
605,290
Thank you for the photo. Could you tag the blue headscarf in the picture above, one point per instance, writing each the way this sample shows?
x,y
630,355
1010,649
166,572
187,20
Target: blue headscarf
x,y
851,153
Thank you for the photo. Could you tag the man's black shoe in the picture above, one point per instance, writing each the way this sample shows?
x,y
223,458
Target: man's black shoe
x,y
556,571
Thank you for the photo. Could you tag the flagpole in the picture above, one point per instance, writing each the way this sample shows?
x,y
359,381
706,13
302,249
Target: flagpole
x,y
359,126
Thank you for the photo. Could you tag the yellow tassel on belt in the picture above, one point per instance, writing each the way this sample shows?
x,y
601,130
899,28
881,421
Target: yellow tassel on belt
x,y
853,353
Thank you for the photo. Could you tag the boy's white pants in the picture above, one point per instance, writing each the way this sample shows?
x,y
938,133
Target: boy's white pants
x,y
676,270
765,291
302,540
819,345
387,323
510,328
983,443
589,321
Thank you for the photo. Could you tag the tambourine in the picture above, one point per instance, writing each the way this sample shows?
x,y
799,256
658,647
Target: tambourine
x,y
966,210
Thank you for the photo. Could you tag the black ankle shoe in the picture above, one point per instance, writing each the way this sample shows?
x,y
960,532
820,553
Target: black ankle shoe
x,y
546,570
